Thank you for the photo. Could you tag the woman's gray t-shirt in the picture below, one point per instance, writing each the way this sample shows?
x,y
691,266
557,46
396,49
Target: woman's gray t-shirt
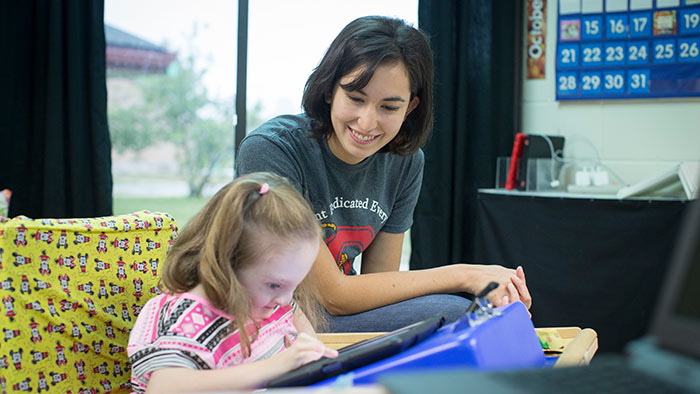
x,y
352,202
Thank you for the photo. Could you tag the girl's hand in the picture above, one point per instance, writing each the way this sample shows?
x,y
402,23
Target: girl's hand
x,y
246,376
305,349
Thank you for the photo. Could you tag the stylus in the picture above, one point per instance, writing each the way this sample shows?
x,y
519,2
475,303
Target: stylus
x,y
481,296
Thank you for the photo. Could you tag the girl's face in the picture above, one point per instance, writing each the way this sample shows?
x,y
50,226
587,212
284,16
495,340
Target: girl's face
x,y
367,119
271,281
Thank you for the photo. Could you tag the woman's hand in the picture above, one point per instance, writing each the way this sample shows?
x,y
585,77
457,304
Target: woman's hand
x,y
511,284
304,350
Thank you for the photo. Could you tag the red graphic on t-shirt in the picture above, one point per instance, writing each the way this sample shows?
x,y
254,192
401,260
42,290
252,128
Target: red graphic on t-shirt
x,y
344,237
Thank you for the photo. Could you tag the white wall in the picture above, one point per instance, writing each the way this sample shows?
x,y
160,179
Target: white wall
x,y
633,137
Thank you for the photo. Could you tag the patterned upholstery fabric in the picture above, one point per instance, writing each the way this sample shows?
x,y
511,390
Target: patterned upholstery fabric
x,y
71,290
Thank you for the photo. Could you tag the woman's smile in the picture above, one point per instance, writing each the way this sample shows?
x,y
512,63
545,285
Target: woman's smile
x,y
361,138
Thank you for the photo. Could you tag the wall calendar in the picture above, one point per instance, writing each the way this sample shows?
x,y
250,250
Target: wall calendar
x,y
623,49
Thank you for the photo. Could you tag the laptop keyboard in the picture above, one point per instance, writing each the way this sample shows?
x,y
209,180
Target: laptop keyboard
x,y
598,378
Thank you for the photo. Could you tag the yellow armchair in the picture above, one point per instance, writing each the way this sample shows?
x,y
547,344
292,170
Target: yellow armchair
x,y
70,291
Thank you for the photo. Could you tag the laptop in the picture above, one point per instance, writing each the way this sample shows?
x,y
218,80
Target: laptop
x,y
359,354
666,360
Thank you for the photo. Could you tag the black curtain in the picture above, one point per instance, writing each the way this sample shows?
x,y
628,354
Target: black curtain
x,y
53,109
477,95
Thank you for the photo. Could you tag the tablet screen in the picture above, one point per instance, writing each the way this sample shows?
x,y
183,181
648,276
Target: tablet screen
x,y
360,354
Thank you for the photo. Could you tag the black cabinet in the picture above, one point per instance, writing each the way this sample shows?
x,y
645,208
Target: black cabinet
x,y
589,262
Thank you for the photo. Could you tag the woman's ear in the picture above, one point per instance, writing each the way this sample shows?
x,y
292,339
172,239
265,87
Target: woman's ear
x,y
411,106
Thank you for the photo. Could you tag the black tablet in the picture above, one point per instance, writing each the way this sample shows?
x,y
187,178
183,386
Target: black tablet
x,y
359,354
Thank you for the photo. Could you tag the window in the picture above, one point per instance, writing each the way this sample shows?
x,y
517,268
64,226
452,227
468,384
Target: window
x,y
171,67
171,76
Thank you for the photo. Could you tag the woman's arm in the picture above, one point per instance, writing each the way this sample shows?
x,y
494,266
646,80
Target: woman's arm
x,y
243,376
383,254
339,291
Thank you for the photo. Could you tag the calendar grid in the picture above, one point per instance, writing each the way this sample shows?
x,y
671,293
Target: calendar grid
x,y
620,49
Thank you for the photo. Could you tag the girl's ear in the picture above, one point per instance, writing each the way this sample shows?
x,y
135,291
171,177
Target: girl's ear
x,y
411,106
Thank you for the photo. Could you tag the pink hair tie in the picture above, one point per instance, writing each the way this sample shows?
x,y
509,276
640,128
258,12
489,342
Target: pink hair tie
x,y
264,188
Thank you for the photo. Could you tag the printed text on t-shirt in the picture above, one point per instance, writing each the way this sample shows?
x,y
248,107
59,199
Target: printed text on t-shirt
x,y
341,203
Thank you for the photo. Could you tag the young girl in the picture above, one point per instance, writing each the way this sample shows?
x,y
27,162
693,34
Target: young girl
x,y
231,314
355,154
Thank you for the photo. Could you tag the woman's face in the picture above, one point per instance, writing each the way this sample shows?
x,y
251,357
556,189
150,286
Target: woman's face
x,y
272,280
367,119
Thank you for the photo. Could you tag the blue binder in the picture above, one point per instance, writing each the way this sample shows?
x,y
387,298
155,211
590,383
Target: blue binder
x,y
491,339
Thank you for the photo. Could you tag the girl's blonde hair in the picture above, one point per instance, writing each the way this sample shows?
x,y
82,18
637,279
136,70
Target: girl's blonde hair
x,y
236,228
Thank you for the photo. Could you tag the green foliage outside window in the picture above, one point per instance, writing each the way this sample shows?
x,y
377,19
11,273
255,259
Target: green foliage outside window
x,y
177,109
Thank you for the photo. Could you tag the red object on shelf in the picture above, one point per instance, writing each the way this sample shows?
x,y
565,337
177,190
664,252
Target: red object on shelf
x,y
515,157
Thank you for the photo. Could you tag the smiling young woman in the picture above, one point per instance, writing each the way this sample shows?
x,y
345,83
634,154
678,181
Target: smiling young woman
x,y
355,155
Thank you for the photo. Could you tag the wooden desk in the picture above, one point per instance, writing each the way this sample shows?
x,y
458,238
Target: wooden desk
x,y
579,345
340,340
